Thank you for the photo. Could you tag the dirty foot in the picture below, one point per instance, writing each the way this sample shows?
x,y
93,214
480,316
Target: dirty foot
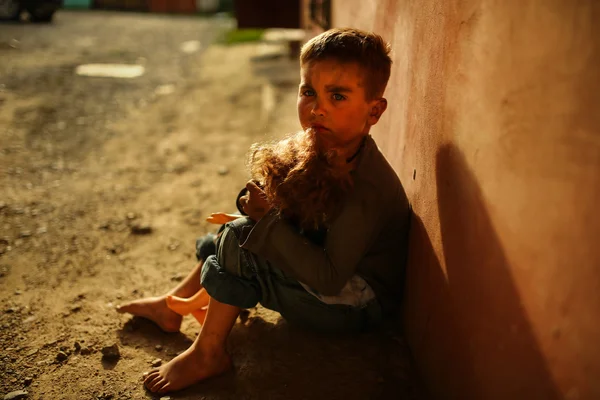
x,y
184,306
189,367
154,309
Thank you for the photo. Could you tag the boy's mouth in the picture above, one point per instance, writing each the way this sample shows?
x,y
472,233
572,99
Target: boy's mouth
x,y
319,128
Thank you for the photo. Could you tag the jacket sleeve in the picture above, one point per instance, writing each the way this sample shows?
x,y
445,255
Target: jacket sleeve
x,y
325,269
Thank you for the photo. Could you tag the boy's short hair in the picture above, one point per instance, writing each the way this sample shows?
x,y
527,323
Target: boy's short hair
x,y
348,45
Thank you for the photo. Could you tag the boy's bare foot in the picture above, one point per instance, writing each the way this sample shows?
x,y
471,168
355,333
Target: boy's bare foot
x,y
191,366
184,306
156,310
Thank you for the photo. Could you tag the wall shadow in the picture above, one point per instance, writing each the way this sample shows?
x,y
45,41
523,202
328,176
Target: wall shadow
x,y
495,349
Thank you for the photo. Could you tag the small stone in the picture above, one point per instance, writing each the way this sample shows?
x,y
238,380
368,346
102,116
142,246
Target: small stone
x,y
77,346
85,351
223,170
165,398
139,229
158,347
156,363
177,278
75,308
164,90
17,394
111,352
17,292
104,225
31,353
24,234
131,215
27,381
61,356
41,230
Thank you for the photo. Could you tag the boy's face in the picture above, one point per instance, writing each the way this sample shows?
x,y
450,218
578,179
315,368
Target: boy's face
x,y
332,102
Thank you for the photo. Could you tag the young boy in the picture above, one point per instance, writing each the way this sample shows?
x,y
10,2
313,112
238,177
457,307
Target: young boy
x,y
338,270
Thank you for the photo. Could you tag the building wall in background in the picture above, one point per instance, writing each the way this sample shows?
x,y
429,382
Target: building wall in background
x,y
493,126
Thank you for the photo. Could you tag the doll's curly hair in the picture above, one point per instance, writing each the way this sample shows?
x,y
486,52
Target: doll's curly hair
x,y
306,185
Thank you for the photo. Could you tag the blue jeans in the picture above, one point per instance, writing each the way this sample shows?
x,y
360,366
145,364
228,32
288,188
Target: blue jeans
x,y
240,278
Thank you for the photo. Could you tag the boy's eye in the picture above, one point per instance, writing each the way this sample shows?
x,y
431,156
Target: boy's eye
x,y
308,92
338,97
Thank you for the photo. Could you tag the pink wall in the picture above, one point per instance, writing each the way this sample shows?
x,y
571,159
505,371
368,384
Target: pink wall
x,y
495,110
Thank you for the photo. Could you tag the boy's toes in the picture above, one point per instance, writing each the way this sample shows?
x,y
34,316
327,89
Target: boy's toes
x,y
162,388
157,385
150,378
165,388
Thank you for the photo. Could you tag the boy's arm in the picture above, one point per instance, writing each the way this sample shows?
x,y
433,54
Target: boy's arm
x,y
325,269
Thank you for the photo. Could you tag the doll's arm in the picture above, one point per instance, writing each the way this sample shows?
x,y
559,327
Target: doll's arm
x,y
221,218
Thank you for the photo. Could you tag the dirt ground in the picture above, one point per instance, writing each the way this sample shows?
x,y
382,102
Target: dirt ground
x,y
104,185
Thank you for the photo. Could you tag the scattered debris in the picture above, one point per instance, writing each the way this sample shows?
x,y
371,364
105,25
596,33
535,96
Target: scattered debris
x,y
14,43
174,245
191,46
156,363
164,90
17,394
141,229
61,356
110,353
31,353
126,71
104,225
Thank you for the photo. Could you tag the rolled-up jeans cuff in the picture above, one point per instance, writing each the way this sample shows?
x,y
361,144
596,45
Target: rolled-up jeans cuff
x,y
228,288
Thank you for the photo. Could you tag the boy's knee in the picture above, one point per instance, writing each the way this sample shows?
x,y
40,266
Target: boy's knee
x,y
229,253
205,246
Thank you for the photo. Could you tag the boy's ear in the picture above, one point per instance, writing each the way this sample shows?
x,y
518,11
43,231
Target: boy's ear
x,y
377,110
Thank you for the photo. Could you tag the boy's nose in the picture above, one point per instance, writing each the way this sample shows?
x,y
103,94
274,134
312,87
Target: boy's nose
x,y
317,110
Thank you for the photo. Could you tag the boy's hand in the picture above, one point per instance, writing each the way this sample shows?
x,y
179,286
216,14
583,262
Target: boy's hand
x,y
254,203
221,218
